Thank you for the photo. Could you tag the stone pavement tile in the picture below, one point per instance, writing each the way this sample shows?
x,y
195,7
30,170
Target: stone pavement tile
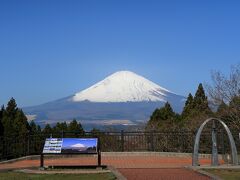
x,y
162,174
117,162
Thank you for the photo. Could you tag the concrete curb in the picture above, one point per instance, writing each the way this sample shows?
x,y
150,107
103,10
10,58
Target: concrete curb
x,y
201,171
32,157
217,167
161,154
81,171
118,175
212,176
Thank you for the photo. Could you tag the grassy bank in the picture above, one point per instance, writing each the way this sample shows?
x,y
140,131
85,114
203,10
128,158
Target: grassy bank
x,y
226,174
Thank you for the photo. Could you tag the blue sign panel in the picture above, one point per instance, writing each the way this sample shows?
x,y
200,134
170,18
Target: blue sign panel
x,y
70,146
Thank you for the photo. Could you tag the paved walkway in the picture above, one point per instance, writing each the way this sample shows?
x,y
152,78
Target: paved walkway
x,y
162,174
116,161
132,167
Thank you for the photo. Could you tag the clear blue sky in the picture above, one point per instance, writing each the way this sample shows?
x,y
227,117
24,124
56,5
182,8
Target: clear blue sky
x,y
51,49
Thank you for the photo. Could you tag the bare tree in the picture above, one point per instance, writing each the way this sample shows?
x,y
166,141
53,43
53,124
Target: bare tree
x,y
225,91
224,88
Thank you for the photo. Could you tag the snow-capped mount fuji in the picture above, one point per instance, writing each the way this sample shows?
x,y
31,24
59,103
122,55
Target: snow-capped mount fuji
x,y
123,98
123,86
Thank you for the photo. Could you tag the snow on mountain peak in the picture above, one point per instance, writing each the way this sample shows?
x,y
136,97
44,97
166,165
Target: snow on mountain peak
x,y
123,86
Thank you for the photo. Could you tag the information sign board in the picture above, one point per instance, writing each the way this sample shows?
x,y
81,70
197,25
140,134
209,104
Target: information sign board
x,y
70,146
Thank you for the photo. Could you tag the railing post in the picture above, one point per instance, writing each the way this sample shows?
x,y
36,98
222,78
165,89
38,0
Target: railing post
x,y
28,145
122,140
181,135
194,133
151,141
222,145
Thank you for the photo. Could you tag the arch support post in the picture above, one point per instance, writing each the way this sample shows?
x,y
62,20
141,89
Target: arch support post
x,y
214,145
195,161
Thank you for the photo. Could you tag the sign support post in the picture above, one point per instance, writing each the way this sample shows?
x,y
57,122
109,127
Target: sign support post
x,y
41,160
60,146
99,153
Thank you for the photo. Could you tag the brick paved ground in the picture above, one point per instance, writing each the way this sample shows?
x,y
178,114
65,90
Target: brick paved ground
x,y
132,167
162,174
116,161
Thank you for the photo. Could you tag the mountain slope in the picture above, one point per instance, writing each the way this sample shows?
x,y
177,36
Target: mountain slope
x,y
122,97
123,86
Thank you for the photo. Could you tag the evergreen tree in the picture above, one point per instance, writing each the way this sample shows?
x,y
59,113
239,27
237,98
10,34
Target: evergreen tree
x,y
21,127
39,130
1,133
166,113
16,128
60,127
163,113
162,118
21,124
9,116
200,100
33,127
196,109
76,128
189,105
47,129
1,123
35,137
11,109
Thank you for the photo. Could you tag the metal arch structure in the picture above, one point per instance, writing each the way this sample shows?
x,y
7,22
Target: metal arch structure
x,y
195,161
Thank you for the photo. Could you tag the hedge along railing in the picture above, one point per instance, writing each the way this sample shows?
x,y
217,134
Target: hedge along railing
x,y
167,141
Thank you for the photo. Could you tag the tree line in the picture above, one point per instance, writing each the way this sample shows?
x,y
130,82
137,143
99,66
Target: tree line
x,y
223,101
18,136
13,122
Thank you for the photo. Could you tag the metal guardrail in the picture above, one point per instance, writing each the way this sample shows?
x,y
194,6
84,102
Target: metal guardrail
x,y
168,141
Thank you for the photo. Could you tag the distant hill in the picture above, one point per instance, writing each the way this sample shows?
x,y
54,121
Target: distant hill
x,y
123,98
